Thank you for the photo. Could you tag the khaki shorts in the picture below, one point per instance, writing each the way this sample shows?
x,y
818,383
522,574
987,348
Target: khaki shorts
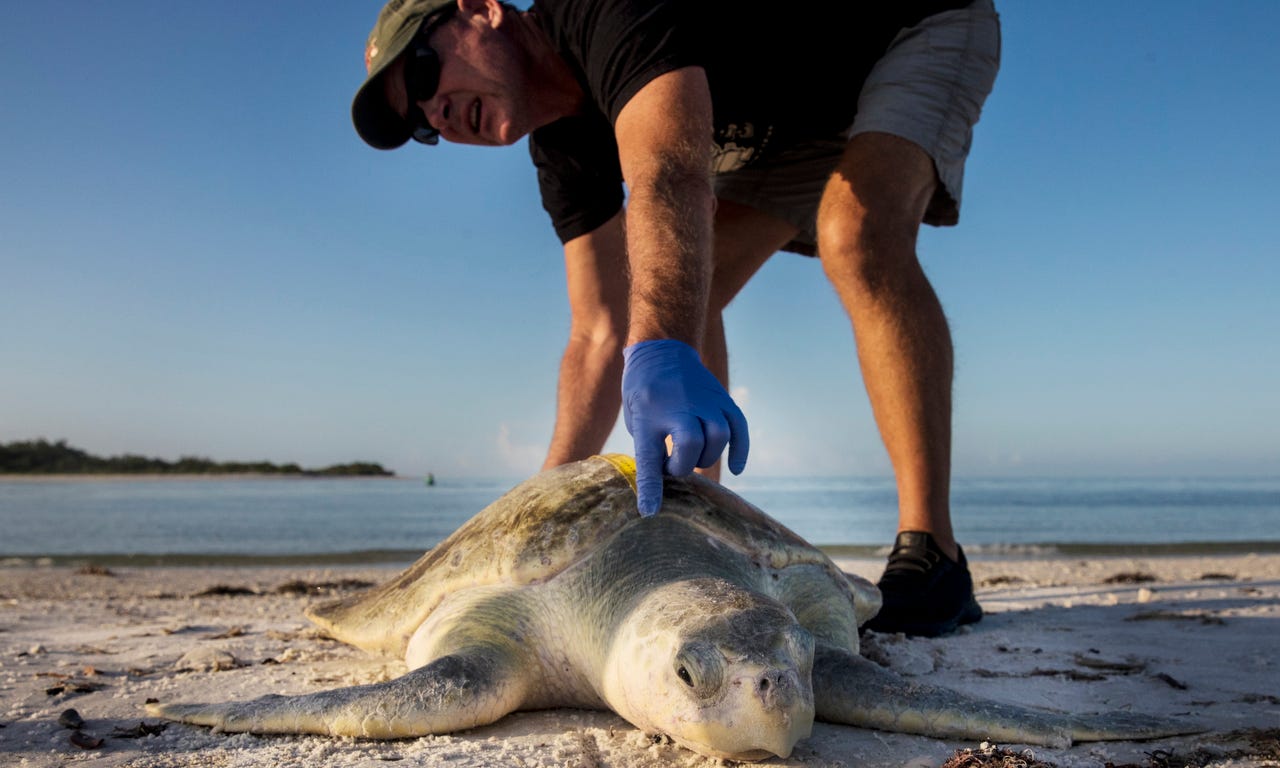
x,y
928,88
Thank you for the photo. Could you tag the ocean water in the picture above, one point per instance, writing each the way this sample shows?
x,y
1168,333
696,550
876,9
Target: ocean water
x,y
295,520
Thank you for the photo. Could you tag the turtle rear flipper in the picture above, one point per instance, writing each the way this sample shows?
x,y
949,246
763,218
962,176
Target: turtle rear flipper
x,y
1118,725
852,690
452,693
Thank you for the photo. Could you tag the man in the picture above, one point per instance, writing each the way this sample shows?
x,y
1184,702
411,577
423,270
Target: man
x,y
836,128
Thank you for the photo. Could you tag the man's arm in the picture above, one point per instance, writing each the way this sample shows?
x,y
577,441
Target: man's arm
x,y
589,393
664,145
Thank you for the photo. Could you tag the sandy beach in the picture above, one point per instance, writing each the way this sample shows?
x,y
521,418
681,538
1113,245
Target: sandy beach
x,y
1193,636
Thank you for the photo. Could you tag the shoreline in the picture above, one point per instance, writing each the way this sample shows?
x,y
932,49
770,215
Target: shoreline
x,y
1176,636
994,553
99,477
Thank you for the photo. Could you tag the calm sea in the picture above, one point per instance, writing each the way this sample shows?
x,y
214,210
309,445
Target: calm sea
x,y
292,520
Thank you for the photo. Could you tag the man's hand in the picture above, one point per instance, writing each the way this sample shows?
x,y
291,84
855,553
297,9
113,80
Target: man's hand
x,y
667,391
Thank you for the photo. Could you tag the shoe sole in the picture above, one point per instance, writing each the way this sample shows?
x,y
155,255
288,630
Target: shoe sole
x,y
970,614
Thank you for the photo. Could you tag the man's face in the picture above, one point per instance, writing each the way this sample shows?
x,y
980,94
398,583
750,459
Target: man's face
x,y
481,97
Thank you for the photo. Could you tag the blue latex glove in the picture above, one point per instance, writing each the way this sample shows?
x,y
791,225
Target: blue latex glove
x,y
667,391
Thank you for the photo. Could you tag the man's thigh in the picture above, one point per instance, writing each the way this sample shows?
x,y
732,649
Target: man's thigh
x,y
929,89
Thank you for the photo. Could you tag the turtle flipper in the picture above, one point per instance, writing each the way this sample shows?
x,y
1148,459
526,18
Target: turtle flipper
x,y
449,694
852,690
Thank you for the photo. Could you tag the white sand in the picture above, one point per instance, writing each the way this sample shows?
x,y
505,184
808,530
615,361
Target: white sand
x,y
1202,640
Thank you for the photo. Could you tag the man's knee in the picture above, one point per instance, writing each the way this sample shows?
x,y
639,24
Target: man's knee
x,y
865,248
871,210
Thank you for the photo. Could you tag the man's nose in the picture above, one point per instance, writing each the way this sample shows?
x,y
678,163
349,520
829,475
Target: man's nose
x,y
436,109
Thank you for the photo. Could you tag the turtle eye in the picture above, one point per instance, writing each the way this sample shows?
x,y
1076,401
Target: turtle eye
x,y
683,673
698,666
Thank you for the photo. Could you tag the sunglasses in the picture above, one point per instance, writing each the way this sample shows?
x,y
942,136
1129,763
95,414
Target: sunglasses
x,y
422,78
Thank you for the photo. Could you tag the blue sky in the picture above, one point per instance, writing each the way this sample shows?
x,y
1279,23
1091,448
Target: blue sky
x,y
199,257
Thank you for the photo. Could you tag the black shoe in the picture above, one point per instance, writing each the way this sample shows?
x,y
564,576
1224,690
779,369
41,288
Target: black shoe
x,y
925,592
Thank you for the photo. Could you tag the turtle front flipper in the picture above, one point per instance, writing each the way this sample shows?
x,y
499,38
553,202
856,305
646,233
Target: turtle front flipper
x,y
451,693
852,690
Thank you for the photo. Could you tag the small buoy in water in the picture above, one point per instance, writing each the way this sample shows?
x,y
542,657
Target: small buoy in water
x,y
431,479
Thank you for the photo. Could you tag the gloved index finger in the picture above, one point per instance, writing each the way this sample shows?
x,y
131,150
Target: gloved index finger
x,y
650,454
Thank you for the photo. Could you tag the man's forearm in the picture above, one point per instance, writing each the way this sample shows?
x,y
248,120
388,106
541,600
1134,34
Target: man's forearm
x,y
664,145
669,246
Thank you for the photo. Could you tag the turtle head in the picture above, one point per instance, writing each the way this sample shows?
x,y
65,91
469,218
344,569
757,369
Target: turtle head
x,y
721,670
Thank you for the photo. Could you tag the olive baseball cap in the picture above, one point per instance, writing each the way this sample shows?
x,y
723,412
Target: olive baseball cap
x,y
375,120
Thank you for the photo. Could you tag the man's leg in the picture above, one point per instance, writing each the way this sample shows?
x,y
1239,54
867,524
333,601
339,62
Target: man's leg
x,y
589,391
868,222
745,238
867,226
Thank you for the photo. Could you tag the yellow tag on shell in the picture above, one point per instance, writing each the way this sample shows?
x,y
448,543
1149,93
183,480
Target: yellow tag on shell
x,y
625,465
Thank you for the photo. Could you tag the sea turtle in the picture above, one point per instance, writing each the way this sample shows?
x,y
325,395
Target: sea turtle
x,y
710,623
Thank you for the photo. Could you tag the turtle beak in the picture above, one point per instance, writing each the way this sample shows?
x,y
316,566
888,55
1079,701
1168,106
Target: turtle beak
x,y
776,706
774,711
786,711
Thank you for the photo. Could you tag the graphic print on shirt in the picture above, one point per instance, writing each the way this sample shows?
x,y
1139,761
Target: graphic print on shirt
x,y
736,145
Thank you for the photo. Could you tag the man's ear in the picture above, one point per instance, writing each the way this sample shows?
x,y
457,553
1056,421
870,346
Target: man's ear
x,y
492,10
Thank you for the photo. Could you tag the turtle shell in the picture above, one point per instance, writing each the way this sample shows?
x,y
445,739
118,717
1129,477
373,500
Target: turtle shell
x,y
544,526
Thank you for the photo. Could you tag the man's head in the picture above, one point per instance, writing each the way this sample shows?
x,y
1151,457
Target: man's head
x,y
460,69
398,24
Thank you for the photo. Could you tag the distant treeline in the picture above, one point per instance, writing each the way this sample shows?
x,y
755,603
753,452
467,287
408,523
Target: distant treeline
x,y
41,457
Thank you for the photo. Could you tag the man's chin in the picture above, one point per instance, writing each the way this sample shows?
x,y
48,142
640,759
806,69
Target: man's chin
x,y
501,139
509,133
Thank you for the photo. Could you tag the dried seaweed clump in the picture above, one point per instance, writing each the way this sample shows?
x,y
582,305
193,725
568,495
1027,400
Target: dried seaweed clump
x,y
989,755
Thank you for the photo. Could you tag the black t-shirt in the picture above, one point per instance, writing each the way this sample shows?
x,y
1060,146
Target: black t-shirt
x,y
778,73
